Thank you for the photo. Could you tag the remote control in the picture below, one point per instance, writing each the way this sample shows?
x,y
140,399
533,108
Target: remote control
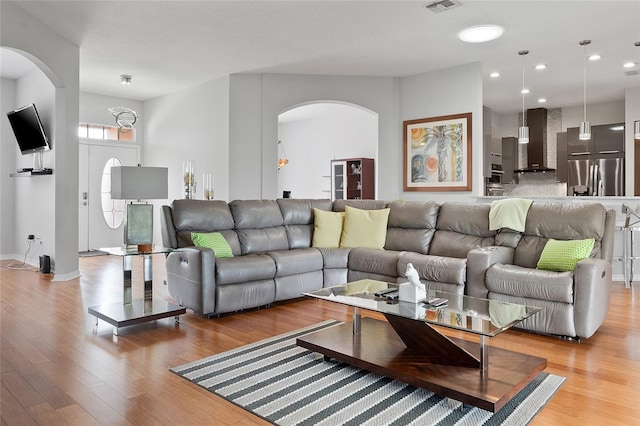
x,y
437,301
385,291
392,296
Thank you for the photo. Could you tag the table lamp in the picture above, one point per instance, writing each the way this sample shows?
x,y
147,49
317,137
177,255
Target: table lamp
x,y
137,184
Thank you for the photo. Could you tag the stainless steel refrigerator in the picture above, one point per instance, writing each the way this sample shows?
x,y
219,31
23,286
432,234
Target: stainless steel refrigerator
x,y
596,177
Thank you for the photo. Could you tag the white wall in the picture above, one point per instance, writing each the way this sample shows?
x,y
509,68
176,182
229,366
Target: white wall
x,y
7,165
341,131
94,108
59,60
257,100
452,91
192,124
603,113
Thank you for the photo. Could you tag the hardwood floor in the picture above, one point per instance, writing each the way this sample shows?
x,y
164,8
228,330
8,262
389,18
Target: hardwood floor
x,y
57,367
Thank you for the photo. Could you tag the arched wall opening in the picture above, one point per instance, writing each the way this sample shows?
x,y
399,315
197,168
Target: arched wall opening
x,y
312,134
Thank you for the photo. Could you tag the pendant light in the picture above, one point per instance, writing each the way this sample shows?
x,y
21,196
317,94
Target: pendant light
x,y
523,131
585,127
125,117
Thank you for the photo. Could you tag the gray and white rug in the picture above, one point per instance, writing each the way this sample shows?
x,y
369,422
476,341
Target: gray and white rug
x,y
289,385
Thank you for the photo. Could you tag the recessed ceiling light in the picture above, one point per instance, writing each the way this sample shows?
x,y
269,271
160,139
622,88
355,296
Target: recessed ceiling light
x,y
629,64
617,128
541,66
524,91
594,57
480,33
494,75
542,100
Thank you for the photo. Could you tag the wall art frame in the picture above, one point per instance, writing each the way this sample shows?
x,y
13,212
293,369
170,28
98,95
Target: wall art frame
x,y
437,153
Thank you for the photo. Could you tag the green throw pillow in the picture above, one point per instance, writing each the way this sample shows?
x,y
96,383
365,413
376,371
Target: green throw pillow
x,y
327,228
365,228
562,256
213,240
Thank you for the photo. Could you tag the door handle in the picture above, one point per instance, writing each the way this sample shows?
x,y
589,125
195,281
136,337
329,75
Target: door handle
x,y
85,195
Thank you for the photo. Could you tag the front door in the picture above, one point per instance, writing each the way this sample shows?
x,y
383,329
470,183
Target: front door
x,y
100,219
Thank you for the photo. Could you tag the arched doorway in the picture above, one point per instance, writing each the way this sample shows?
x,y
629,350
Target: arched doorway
x,y
313,134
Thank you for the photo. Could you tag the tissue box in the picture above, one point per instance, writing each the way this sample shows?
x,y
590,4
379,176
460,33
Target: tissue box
x,y
410,293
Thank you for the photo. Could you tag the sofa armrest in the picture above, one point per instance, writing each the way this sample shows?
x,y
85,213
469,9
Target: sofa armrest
x,y
478,261
191,278
592,293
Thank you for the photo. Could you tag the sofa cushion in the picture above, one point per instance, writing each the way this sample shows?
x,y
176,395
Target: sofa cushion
x,y
203,216
213,240
341,205
380,262
296,261
262,240
411,225
334,258
298,218
327,228
518,281
243,269
461,227
364,228
564,255
434,268
256,213
561,221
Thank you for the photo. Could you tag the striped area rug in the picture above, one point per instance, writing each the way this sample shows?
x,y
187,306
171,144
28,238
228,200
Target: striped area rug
x,y
289,385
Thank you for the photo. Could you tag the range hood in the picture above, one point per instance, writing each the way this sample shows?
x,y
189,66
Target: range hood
x,y
537,146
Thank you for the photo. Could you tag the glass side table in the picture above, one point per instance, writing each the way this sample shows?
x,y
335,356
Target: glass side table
x,y
131,311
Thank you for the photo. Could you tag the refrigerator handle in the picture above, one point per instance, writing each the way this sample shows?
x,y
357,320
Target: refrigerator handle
x,y
597,181
590,180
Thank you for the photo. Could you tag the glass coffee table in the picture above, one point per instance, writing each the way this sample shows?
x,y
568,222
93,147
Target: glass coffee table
x,y
409,347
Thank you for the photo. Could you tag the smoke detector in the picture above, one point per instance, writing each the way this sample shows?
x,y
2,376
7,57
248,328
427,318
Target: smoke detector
x,y
443,5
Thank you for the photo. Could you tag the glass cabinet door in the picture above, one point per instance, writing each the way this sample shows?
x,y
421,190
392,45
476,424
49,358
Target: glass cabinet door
x,y
338,180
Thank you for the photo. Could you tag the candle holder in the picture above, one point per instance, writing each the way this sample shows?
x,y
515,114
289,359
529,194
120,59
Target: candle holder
x,y
188,179
207,182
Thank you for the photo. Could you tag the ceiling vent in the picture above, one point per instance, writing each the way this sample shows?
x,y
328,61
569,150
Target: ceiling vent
x,y
443,5
632,72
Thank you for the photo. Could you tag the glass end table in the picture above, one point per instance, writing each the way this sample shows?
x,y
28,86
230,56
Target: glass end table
x,y
130,311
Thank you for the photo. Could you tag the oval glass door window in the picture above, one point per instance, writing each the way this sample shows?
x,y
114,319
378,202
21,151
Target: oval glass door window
x,y
112,210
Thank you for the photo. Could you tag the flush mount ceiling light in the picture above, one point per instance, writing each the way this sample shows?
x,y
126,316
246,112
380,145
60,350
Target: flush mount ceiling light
x,y
585,127
494,75
541,66
542,100
593,57
125,79
629,64
523,131
480,33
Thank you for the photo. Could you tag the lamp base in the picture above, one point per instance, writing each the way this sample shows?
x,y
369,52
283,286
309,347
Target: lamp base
x,y
145,248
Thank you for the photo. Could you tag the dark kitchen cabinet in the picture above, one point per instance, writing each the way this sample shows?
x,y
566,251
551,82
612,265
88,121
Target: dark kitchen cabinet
x,y
605,139
608,139
509,158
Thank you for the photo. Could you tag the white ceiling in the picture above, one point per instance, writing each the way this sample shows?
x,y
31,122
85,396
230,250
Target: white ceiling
x,y
170,45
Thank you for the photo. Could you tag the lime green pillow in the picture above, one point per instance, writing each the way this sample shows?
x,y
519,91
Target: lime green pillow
x,y
365,228
327,228
213,240
562,256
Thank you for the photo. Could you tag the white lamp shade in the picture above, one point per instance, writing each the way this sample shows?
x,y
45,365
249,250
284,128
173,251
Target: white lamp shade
x,y
585,131
523,135
139,183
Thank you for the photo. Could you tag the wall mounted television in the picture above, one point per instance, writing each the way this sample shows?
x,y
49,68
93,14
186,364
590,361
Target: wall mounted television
x,y
28,129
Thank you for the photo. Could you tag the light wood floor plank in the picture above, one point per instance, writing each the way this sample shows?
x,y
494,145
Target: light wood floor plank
x,y
59,368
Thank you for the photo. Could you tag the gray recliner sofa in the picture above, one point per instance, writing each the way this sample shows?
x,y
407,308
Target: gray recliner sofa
x,y
449,244
574,304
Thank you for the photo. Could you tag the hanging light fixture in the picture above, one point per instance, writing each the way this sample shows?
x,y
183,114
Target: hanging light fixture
x,y
523,131
282,160
125,117
585,127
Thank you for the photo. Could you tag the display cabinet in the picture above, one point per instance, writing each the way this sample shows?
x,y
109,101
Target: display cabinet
x,y
353,179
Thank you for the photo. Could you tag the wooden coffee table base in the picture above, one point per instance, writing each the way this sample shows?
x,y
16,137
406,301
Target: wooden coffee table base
x,y
379,349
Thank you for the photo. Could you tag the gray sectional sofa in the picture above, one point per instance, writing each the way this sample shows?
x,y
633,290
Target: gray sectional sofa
x,y
450,245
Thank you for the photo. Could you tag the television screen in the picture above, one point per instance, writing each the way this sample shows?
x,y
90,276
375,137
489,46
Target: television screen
x,y
28,130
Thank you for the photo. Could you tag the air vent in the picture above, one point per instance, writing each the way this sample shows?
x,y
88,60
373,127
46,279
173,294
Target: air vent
x,y
443,5
632,72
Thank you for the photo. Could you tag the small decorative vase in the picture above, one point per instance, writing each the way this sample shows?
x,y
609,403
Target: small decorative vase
x,y
188,179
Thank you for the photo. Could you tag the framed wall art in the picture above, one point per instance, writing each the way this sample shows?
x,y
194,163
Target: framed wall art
x,y
437,153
